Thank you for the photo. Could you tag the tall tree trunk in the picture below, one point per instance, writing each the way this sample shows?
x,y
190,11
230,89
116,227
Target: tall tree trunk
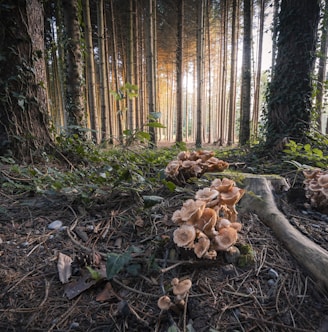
x,y
179,68
200,71
116,74
256,103
274,34
151,83
289,103
322,66
103,81
244,134
90,73
131,101
233,72
74,70
23,101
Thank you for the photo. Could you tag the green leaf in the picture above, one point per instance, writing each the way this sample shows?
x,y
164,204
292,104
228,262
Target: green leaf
x,y
155,125
116,262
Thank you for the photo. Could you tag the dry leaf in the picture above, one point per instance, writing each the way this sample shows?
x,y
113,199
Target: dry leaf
x,y
139,222
64,267
106,294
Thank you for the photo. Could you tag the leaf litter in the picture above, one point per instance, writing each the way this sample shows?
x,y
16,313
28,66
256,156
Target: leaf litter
x,y
116,287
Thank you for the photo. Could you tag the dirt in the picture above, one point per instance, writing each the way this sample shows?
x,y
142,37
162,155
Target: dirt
x,y
271,292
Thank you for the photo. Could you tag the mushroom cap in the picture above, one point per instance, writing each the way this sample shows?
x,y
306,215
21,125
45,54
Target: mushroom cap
x,y
207,194
184,236
222,222
192,210
215,164
202,245
227,237
323,180
226,185
231,197
211,254
181,288
164,302
176,217
183,155
172,169
311,173
236,225
209,218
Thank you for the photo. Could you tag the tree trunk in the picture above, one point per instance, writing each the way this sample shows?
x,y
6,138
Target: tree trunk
x,y
322,67
90,73
245,108
259,198
75,109
103,81
289,102
151,83
256,103
200,71
179,66
233,73
23,103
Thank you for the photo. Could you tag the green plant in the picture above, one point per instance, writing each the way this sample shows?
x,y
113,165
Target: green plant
x,y
305,153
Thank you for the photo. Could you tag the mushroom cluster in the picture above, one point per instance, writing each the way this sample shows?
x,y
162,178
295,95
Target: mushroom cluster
x,y
193,164
208,223
180,289
316,188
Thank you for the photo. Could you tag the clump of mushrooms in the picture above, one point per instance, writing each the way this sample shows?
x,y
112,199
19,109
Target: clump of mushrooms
x,y
193,164
316,188
180,290
209,224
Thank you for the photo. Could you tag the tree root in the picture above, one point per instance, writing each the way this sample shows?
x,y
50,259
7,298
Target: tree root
x,y
259,198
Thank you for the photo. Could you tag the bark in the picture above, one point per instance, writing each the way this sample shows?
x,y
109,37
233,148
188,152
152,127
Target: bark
x,y
245,111
259,198
91,73
179,66
23,100
75,109
200,71
290,91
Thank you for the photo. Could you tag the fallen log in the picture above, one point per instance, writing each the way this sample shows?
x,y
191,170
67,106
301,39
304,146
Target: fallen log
x,y
259,198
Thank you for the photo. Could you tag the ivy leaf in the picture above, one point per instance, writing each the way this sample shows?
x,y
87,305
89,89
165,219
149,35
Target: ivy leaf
x,y
116,262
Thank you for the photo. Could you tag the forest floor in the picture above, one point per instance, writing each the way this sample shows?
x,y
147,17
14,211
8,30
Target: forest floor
x,y
272,293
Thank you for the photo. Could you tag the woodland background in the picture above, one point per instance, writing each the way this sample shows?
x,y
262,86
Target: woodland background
x,y
172,71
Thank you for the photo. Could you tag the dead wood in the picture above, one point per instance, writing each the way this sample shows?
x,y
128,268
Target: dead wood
x,y
259,198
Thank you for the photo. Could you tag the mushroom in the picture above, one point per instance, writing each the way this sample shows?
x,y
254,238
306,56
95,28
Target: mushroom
x,y
206,194
226,238
202,244
211,254
172,169
231,197
165,303
181,288
183,155
222,222
214,164
209,217
226,185
192,210
184,236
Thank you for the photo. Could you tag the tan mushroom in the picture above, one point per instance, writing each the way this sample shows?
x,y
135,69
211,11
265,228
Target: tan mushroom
x,y
323,180
176,217
209,217
172,169
181,288
207,194
225,239
216,165
183,155
211,254
226,185
192,210
222,222
202,244
184,236
164,303
231,197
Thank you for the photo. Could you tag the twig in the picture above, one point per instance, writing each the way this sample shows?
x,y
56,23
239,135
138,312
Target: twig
x,y
133,290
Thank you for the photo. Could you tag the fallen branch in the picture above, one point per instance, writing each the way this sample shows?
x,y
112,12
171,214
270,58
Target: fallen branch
x,y
259,199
